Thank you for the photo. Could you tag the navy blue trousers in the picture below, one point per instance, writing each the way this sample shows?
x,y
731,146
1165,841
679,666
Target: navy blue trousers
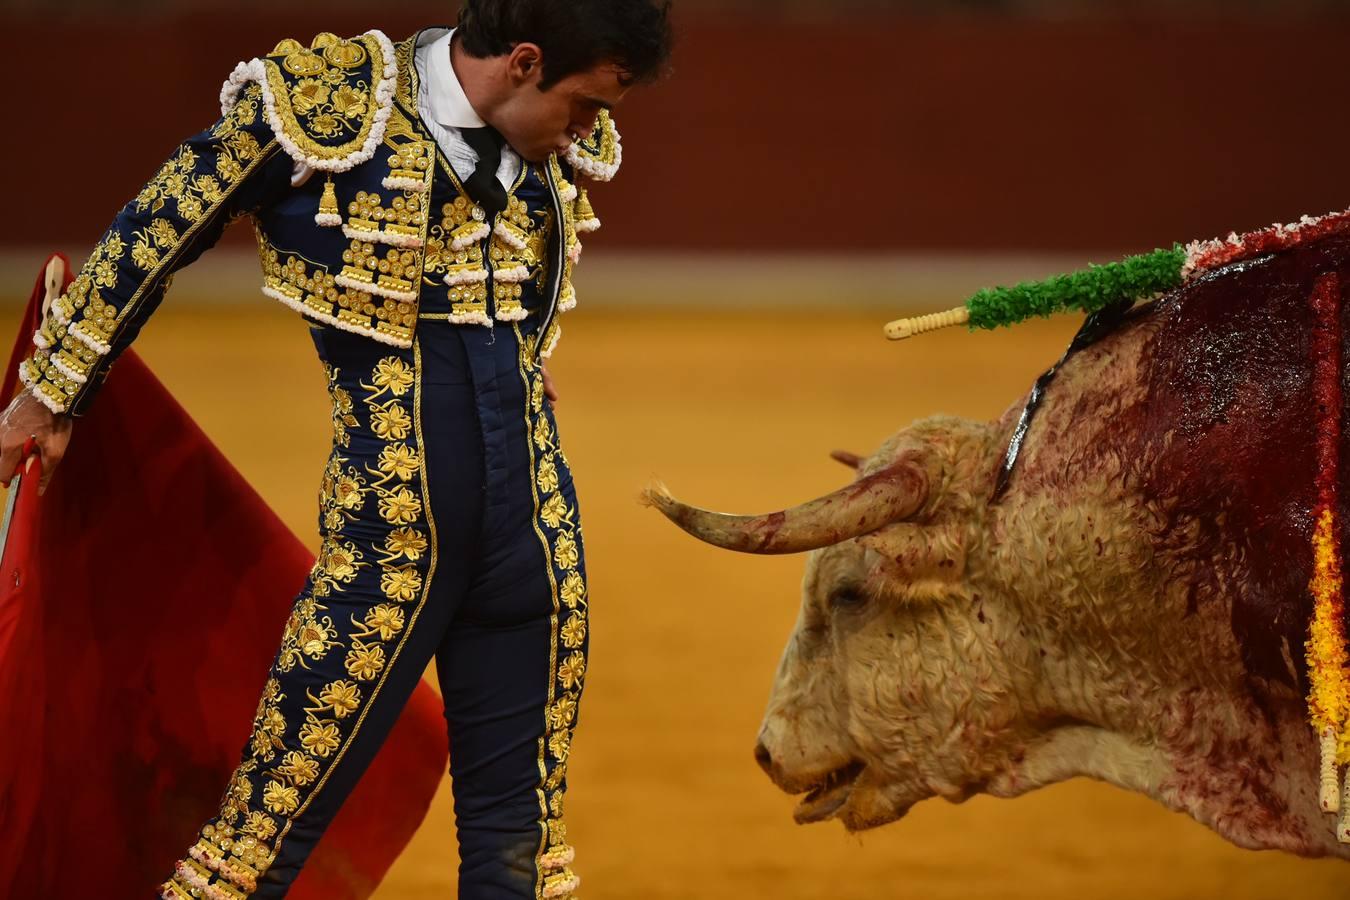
x,y
450,532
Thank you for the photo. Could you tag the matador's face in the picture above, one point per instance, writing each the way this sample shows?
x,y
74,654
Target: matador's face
x,y
537,121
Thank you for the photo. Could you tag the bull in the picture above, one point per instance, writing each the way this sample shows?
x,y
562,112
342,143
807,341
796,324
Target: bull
x,y
1115,587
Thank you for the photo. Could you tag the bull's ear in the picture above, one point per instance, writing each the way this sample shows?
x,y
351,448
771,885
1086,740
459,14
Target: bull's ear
x,y
852,460
920,552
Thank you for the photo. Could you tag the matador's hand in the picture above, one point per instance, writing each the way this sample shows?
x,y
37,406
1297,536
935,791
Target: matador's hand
x,y
550,389
26,417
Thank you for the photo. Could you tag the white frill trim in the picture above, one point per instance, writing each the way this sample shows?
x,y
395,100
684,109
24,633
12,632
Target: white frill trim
x,y
586,226
394,183
66,370
569,194
574,253
557,887
509,237
402,241
255,70
378,290
514,275
593,168
317,316
327,220
463,242
473,318
568,301
520,314
40,340
472,276
102,348
1198,251
33,389
558,858
59,315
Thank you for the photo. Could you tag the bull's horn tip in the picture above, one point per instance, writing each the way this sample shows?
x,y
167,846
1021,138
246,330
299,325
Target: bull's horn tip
x,y
656,494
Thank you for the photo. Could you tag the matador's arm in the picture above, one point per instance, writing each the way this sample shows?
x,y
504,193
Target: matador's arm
x,y
227,171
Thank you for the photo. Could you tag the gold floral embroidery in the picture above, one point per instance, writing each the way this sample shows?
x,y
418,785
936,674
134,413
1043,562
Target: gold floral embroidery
x,y
319,738
341,698
269,725
401,507
264,802
573,590
391,423
563,711
281,798
394,375
329,99
559,742
398,461
384,621
404,543
260,825
401,585
572,671
555,511
574,632
565,551
343,417
559,535
307,636
299,768
364,661
547,475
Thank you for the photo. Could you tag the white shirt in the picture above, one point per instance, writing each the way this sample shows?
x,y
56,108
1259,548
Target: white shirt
x,y
445,109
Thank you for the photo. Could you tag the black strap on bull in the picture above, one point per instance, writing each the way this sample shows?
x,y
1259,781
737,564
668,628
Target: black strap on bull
x,y
1095,327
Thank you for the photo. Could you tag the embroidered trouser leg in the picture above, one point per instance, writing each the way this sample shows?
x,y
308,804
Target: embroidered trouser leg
x,y
517,644
449,530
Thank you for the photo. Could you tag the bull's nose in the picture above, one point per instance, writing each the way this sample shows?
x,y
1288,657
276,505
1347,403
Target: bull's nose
x,y
764,758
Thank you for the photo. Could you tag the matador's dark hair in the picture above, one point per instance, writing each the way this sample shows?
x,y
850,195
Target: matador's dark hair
x,y
575,35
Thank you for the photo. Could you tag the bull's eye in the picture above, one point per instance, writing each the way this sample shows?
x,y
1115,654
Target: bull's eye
x,y
847,597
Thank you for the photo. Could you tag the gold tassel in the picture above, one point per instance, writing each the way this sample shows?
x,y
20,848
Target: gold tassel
x,y
328,214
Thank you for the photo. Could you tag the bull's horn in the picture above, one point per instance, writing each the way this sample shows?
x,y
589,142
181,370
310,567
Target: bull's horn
x,y
867,504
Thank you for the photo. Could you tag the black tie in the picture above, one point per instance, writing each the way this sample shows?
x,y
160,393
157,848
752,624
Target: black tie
x,y
483,186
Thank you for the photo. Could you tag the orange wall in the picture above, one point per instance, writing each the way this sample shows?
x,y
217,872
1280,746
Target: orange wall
x,y
887,133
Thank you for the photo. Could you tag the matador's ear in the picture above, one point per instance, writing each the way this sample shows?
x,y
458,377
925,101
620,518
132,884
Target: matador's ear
x,y
852,460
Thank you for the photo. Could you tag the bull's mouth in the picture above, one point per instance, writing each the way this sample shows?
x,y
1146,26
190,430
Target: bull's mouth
x,y
829,795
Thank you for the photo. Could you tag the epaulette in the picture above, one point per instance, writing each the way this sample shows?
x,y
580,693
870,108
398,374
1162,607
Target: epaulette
x,y
599,156
327,103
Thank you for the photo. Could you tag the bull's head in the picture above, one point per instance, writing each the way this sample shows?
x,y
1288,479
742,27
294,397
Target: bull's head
x,y
895,686
948,646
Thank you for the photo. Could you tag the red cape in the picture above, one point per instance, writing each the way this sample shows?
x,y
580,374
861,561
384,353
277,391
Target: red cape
x,y
141,602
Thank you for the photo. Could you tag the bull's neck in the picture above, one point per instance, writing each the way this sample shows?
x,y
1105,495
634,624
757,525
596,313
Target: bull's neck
x,y
1166,708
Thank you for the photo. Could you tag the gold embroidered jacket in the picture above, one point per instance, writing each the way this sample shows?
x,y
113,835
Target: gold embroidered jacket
x,y
361,246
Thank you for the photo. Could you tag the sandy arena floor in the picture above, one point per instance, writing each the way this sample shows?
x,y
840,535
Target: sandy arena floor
x,y
737,412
